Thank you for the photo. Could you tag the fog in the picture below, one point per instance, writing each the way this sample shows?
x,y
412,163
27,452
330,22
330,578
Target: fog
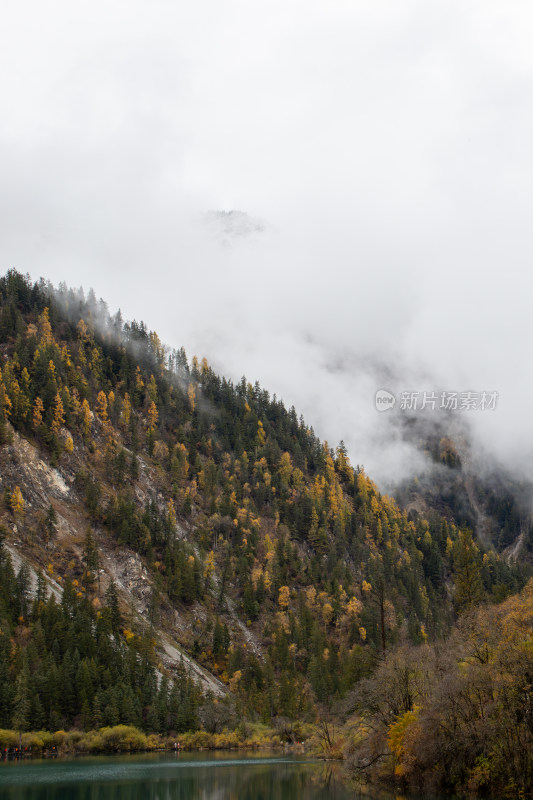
x,y
382,155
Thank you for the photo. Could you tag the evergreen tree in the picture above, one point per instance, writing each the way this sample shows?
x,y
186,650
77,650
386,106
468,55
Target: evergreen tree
x,y
467,573
21,701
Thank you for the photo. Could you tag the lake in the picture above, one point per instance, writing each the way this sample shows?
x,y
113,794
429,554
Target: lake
x,y
190,776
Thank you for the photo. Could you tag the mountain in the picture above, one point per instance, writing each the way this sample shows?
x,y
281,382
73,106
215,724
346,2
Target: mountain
x,y
229,227
183,552
466,486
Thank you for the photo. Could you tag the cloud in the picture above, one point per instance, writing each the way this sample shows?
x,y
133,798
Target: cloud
x,y
385,145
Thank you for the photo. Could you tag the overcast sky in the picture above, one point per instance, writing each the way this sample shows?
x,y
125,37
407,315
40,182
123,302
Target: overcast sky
x,y
386,146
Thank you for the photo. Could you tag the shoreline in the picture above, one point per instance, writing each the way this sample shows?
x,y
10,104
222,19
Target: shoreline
x,y
127,739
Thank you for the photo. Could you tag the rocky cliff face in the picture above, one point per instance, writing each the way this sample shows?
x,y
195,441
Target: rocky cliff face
x,y
22,465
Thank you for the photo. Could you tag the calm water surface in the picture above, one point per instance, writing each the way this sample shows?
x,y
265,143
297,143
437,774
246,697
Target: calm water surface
x,y
172,777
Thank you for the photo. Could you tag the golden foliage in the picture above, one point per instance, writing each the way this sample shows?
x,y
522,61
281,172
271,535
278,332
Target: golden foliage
x,y
101,406
396,739
153,416
59,414
38,411
86,417
209,566
17,502
125,414
191,394
284,596
45,328
171,510
354,607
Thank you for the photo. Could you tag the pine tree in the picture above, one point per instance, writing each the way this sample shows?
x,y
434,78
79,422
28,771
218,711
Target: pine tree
x,y
50,524
111,600
21,702
90,559
467,573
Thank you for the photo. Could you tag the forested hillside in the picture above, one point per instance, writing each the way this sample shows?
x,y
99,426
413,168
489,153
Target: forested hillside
x,y
268,559
464,484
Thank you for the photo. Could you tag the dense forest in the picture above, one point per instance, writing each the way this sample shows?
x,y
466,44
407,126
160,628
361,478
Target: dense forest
x,y
69,663
297,581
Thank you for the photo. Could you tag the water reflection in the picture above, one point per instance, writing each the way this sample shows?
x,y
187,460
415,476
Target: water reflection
x,y
172,779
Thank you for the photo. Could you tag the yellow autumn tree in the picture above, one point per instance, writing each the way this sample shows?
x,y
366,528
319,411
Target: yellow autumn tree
x,y
17,502
153,416
171,509
396,738
101,406
152,389
209,566
65,356
85,417
45,328
160,453
354,607
83,330
59,414
191,394
5,402
284,595
285,469
38,411
310,597
327,613
125,414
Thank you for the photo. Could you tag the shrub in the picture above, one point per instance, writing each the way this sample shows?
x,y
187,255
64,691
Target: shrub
x,y
8,739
